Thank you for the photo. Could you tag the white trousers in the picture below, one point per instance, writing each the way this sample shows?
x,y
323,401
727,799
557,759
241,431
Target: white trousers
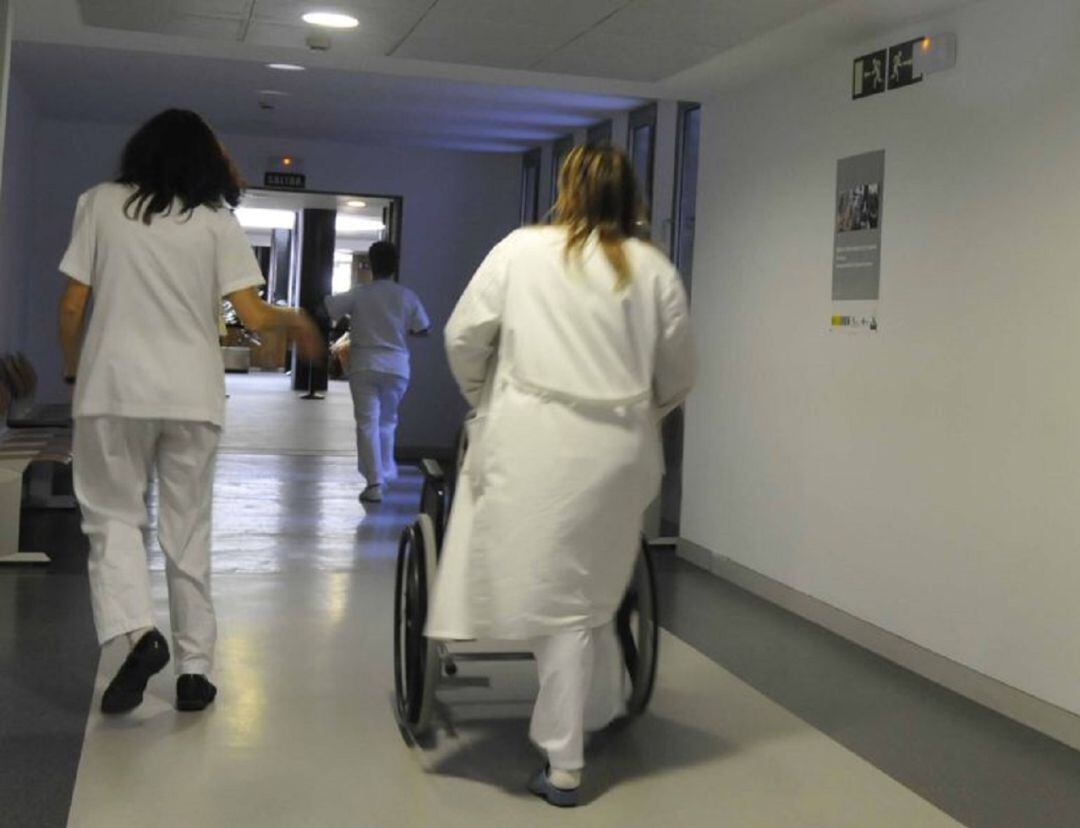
x,y
376,397
582,688
113,461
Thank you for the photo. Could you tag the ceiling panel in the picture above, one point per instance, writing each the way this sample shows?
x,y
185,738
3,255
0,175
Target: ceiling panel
x,y
576,15
213,8
496,51
213,28
597,54
482,33
722,23
149,19
125,14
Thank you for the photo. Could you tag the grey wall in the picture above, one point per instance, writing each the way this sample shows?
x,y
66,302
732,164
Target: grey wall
x,y
457,205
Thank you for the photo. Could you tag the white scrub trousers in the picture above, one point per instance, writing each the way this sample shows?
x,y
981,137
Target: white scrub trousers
x,y
376,397
582,684
113,460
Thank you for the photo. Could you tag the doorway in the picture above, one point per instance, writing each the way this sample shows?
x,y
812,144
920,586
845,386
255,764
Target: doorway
x,y
275,221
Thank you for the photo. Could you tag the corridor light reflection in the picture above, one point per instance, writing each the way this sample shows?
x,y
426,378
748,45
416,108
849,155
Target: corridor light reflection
x,y
246,717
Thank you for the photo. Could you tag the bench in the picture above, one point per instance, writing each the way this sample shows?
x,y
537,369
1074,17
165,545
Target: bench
x,y
38,509
17,372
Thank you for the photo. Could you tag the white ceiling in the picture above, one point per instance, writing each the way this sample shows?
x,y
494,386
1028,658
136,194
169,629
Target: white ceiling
x,y
635,40
486,75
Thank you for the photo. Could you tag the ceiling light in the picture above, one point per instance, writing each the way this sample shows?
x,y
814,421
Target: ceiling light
x,y
275,92
358,224
259,218
285,67
331,20
355,202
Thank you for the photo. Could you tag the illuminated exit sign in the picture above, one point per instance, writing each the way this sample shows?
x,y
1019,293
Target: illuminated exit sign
x,y
285,180
285,172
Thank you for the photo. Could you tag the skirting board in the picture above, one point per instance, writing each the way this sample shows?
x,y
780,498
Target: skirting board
x,y
1054,721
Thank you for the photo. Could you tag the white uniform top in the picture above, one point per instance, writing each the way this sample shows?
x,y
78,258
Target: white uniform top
x,y
151,348
569,378
382,314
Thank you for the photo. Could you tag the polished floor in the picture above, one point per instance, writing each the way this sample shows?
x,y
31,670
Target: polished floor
x,y
759,719
265,417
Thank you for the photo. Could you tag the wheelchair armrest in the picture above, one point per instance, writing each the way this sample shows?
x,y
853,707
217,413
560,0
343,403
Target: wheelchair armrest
x,y
432,470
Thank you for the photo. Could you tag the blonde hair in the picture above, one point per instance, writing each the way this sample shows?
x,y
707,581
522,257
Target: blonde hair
x,y
598,192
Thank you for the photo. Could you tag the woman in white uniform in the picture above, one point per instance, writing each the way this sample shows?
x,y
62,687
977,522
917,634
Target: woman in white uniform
x,y
156,251
571,343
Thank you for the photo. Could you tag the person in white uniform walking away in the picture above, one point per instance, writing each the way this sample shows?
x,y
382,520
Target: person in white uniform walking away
x,y
382,315
157,250
571,343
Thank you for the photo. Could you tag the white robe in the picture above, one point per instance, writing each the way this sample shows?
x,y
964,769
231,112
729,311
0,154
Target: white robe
x,y
568,378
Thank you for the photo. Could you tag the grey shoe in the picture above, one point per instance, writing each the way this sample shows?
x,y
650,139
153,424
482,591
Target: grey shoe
x,y
559,797
372,494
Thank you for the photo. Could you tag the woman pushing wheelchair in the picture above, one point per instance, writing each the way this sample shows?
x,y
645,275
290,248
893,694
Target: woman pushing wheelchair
x,y
571,343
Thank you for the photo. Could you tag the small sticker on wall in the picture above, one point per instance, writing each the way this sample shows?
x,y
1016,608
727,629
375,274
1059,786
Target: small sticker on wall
x,y
861,322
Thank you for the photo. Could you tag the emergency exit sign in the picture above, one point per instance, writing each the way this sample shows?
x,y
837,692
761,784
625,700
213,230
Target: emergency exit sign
x,y
285,180
902,65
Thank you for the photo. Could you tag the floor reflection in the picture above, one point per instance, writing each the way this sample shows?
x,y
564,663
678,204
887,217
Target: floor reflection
x,y
289,513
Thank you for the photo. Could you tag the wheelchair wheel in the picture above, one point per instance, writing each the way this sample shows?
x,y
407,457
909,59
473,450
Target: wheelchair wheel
x,y
416,661
638,627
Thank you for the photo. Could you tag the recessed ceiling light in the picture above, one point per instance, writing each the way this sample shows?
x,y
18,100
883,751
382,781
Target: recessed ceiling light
x,y
274,92
331,20
285,67
355,202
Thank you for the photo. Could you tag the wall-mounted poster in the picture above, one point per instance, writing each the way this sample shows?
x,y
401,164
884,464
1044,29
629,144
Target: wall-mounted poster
x,y
860,183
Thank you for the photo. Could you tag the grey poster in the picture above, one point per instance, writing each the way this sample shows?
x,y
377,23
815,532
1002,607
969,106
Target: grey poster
x,y
860,199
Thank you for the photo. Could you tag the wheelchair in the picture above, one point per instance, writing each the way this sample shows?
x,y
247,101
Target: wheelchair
x,y
421,665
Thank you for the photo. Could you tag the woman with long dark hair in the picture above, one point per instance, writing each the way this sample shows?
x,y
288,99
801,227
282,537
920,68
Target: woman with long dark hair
x,y
571,343
157,250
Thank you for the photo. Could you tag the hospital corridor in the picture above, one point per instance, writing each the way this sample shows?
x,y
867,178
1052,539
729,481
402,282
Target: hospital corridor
x,y
454,413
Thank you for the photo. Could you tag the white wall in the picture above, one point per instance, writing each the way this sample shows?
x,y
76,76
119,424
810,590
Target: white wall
x,y
926,479
457,205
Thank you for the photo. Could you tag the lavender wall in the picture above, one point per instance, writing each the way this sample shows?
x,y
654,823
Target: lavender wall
x,y
457,205
15,213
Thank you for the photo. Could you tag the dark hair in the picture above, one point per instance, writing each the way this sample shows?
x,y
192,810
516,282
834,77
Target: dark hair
x,y
384,259
176,156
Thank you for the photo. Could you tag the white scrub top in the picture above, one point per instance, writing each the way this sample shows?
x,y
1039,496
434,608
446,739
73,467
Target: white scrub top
x,y
569,378
382,314
151,347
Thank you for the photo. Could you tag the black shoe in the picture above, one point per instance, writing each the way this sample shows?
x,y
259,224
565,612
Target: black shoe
x,y
125,691
194,692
